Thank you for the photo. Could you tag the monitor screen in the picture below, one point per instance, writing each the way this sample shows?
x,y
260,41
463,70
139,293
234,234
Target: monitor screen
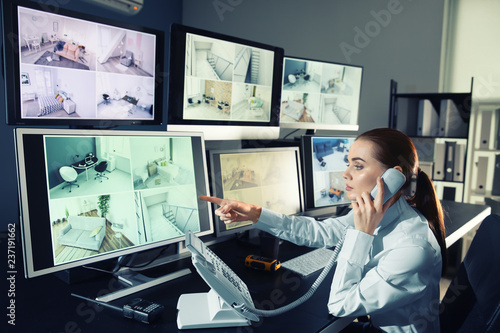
x,y
225,86
324,162
319,95
67,68
87,195
267,177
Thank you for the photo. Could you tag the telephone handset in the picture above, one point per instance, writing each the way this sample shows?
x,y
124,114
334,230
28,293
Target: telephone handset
x,y
393,181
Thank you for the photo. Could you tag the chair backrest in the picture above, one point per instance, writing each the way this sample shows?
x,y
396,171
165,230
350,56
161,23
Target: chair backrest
x,y
101,166
472,302
68,173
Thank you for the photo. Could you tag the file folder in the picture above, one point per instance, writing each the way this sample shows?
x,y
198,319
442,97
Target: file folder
x,y
496,176
450,160
451,123
439,159
482,168
459,170
428,119
485,129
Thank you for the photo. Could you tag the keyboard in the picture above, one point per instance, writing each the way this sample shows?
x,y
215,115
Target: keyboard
x,y
309,262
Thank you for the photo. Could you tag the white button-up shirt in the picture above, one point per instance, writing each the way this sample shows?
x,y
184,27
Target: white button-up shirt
x,y
393,276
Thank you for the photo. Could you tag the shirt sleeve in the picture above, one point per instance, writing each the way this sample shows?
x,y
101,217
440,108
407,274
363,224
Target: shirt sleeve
x,y
303,230
395,278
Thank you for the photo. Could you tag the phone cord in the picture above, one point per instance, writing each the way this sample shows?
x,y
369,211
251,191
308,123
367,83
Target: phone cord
x,y
306,296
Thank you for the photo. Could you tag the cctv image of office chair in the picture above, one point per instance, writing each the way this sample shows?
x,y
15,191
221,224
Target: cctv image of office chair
x,y
472,301
106,98
100,168
69,175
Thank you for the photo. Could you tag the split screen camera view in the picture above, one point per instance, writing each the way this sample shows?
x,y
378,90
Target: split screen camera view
x,y
108,193
75,68
227,81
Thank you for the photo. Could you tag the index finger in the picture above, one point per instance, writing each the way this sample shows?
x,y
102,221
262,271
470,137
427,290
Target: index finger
x,y
215,200
379,198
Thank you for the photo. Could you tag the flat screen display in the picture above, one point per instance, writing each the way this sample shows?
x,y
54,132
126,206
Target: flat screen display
x,y
218,80
320,95
65,68
268,177
87,195
324,162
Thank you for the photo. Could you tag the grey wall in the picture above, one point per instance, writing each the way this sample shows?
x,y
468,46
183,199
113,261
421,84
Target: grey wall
x,y
155,14
392,39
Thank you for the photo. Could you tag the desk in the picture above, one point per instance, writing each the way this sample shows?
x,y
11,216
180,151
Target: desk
x,y
45,302
83,165
460,218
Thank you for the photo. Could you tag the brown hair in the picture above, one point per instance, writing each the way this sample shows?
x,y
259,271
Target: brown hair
x,y
395,148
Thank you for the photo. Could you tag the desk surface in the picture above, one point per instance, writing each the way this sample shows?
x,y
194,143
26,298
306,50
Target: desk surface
x,y
45,302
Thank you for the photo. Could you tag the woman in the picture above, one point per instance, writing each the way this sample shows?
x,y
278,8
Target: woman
x,y
390,263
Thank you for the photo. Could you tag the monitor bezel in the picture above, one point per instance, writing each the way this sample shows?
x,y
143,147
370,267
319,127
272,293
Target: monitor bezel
x,y
220,230
12,72
316,126
218,129
27,221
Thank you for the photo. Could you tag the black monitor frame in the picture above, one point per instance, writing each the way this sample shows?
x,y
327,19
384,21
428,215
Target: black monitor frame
x,y
217,184
219,129
36,183
319,89
310,170
12,70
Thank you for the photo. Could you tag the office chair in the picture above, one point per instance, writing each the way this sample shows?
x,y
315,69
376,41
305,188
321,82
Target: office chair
x,y
472,301
69,175
106,98
100,168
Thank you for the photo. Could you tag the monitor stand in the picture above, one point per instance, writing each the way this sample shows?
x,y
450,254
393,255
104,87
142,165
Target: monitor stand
x,y
135,282
267,244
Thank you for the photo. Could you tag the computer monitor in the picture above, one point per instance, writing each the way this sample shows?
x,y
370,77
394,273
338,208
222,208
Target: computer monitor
x,y
226,87
71,69
138,191
320,95
268,177
324,162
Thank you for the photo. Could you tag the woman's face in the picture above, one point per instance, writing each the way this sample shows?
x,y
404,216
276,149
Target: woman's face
x,y
363,169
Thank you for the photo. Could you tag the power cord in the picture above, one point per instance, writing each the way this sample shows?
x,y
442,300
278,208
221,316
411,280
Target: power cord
x,y
305,297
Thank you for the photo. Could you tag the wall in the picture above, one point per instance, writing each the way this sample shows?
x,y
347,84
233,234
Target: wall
x,y
392,39
473,49
155,14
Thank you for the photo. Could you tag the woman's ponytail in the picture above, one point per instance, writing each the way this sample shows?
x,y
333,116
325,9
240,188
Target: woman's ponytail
x,y
427,202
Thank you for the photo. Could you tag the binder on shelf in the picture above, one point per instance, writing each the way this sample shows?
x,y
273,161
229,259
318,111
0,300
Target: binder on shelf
x,y
459,163
439,159
428,119
496,176
449,161
482,168
497,114
484,129
451,123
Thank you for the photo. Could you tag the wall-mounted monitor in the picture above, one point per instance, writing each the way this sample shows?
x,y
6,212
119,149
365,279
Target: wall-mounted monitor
x,y
320,95
324,162
224,86
87,195
70,69
267,177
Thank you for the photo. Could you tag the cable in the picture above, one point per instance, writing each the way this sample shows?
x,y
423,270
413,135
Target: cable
x,y
306,296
